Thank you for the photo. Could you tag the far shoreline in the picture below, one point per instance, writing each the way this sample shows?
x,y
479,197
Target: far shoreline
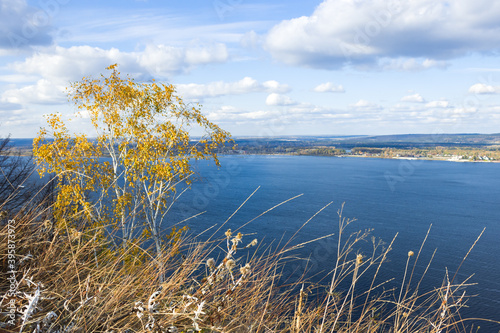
x,y
374,157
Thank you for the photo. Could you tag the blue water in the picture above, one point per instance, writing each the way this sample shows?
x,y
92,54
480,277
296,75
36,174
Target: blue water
x,y
390,196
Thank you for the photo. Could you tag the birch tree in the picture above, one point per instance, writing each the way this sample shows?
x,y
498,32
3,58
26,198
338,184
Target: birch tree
x,y
128,176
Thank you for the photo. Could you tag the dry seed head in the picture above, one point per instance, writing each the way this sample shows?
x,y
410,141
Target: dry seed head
x,y
245,269
236,240
253,243
410,254
47,224
211,263
74,234
228,233
359,259
239,236
230,264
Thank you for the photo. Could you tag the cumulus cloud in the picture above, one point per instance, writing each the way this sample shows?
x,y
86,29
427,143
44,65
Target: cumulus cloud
x,y
329,87
364,104
276,87
220,88
43,92
363,32
415,98
167,60
42,77
481,88
362,116
69,64
279,100
22,26
438,104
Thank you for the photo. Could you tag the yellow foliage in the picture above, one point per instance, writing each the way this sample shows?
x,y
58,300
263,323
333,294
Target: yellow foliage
x,y
126,177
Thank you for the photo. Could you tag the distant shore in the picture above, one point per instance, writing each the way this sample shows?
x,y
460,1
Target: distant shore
x,y
426,159
27,153
363,156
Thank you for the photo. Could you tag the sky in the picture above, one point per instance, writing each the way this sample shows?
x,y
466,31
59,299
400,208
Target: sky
x,y
264,68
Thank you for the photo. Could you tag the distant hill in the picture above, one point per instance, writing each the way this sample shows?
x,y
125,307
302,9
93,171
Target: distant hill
x,y
486,139
396,141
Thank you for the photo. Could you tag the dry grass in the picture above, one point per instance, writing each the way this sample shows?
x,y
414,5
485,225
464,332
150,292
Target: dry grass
x,y
70,281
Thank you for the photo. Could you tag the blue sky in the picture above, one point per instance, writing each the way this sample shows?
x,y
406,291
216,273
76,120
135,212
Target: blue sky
x,y
265,68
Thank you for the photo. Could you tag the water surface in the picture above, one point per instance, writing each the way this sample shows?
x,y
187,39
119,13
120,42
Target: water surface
x,y
391,196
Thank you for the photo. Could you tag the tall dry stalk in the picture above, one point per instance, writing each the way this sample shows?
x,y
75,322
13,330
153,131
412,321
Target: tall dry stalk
x,y
72,279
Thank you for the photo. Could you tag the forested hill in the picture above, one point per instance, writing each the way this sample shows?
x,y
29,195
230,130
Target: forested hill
x,y
403,141
443,139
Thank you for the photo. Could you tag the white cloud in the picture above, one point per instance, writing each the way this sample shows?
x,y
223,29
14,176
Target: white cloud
x,y
62,65
276,87
306,109
364,104
42,77
220,88
329,87
167,60
363,115
481,88
457,112
415,98
231,114
279,100
18,78
69,64
43,92
438,104
362,32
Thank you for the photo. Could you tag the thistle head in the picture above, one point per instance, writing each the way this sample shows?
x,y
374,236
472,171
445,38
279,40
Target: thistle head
x,y
211,263
410,254
230,264
245,269
228,233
